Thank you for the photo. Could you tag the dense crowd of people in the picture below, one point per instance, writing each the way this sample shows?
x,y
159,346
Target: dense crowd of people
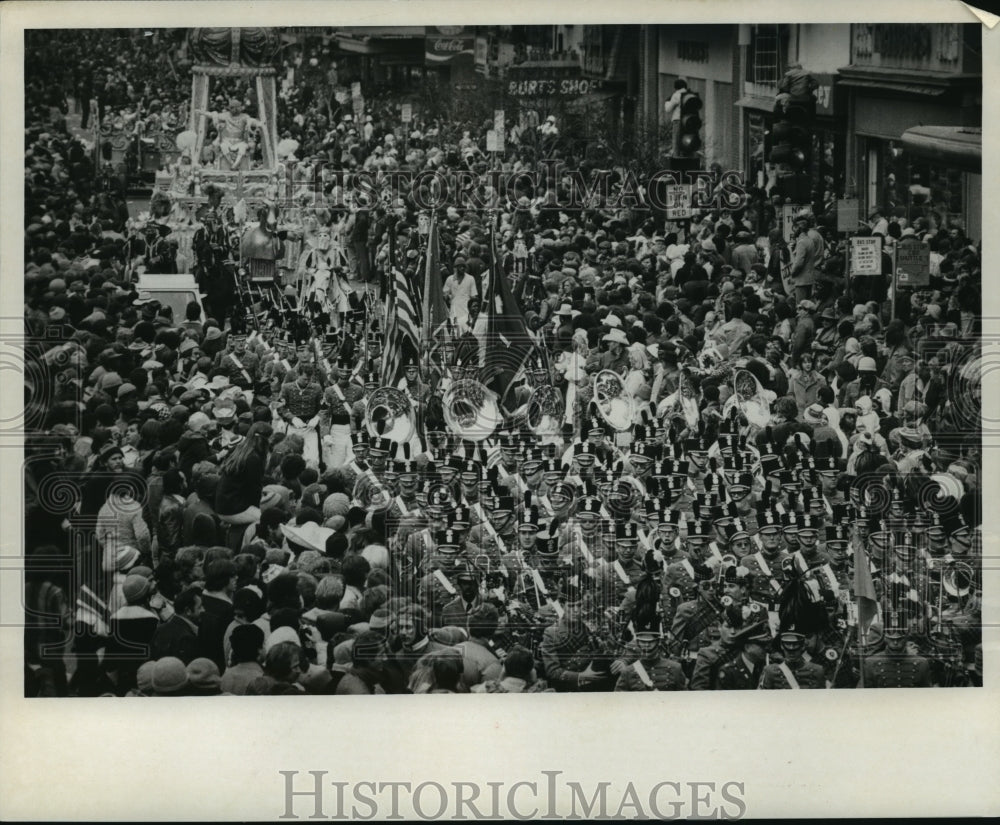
x,y
726,463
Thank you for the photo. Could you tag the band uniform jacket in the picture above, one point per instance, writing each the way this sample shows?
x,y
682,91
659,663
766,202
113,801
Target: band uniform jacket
x,y
434,595
737,675
455,613
665,674
692,625
569,545
809,675
302,401
339,414
885,671
481,542
611,586
709,663
250,363
564,654
760,581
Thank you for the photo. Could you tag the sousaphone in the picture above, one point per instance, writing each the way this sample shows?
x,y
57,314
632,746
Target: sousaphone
x,y
748,398
614,403
471,410
545,411
390,415
958,579
681,406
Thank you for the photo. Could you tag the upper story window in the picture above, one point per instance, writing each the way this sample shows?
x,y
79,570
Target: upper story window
x,y
767,57
928,46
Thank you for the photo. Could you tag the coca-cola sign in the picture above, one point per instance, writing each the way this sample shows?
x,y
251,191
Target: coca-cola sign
x,y
447,49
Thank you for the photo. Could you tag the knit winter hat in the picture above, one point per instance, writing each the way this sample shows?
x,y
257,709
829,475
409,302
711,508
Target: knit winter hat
x,y
336,504
169,676
203,674
136,588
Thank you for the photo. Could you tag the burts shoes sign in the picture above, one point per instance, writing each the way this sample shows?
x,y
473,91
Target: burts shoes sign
x,y
449,44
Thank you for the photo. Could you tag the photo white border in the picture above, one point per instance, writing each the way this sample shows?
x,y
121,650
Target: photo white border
x,y
845,753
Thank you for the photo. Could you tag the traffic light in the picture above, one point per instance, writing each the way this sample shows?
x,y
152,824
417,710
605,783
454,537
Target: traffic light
x,y
796,188
690,125
791,145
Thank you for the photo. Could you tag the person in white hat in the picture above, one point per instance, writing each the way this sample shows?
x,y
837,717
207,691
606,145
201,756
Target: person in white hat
x,y
615,358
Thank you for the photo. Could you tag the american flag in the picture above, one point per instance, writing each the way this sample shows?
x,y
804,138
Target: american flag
x,y
509,342
402,328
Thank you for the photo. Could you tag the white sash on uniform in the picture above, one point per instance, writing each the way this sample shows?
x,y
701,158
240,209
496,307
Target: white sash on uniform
x,y
241,367
789,676
441,577
642,673
583,544
488,526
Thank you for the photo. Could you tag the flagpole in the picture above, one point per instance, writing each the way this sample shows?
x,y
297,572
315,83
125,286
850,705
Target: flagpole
x,y
861,649
423,345
427,278
389,280
860,557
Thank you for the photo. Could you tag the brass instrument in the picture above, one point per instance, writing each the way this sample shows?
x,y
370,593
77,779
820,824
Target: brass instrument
x,y
390,415
545,411
471,410
614,403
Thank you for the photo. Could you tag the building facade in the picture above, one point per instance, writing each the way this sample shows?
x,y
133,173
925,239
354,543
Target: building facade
x,y
915,116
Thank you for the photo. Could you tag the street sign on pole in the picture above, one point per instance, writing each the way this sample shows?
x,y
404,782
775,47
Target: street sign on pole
x,y
848,210
913,263
788,212
500,127
679,202
406,113
866,256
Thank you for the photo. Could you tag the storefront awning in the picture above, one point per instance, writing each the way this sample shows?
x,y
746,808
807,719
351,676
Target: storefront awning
x,y
764,104
909,88
377,40
960,146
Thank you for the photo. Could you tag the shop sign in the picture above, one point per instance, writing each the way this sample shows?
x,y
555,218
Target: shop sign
x,y
441,49
824,94
541,86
